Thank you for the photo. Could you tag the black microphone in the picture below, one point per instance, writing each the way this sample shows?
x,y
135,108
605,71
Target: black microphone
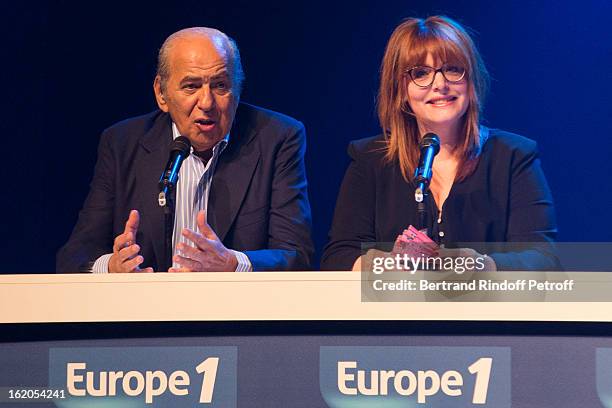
x,y
429,147
179,151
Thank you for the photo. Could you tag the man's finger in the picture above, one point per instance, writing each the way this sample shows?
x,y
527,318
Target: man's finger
x,y
132,264
122,241
187,263
177,270
198,239
128,252
145,270
189,251
131,225
204,227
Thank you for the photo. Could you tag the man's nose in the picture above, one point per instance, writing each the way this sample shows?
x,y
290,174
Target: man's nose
x,y
206,99
439,81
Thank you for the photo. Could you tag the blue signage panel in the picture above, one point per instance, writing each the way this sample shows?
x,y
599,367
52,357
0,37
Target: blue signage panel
x,y
144,376
415,376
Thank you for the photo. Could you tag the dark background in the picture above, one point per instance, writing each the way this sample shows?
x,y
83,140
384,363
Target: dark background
x,y
71,69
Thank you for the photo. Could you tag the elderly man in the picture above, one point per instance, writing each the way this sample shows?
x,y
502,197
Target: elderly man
x,y
241,199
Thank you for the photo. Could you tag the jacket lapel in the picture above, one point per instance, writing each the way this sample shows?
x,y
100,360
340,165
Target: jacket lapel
x,y
233,174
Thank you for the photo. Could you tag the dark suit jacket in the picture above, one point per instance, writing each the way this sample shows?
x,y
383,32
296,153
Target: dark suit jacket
x,y
258,201
506,199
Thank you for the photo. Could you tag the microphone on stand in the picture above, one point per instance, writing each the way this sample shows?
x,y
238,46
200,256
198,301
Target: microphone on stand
x,y
429,147
179,151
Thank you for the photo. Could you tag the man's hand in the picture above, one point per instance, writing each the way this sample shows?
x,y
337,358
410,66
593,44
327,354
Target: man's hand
x,y
208,255
125,249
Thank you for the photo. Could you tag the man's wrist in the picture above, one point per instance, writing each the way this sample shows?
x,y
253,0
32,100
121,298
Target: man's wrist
x,y
101,264
244,263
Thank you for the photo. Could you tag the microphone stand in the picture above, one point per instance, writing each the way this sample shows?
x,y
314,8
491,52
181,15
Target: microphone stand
x,y
166,199
420,195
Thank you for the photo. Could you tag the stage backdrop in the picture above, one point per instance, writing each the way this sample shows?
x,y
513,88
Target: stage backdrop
x,y
72,69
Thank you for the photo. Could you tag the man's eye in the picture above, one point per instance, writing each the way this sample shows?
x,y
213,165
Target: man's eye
x,y
190,86
221,87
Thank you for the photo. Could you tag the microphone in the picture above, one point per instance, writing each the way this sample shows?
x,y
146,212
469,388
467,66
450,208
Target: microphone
x,y
179,151
429,147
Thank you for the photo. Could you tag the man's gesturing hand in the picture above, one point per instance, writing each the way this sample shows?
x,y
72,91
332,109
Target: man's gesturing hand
x,y
125,249
208,255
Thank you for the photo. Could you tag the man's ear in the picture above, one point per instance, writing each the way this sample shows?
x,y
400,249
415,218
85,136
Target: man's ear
x,y
159,95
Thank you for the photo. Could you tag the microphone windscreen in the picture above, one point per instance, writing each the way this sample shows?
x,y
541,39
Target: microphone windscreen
x,y
430,140
181,144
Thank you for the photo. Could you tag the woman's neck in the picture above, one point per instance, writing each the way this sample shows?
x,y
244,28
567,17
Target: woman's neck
x,y
450,137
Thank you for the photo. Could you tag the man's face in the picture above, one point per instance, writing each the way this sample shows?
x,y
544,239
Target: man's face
x,y
199,96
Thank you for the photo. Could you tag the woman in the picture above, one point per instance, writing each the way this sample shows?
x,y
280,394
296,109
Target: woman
x,y
487,184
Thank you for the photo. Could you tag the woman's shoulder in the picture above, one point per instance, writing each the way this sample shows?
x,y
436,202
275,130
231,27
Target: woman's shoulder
x,y
502,141
369,148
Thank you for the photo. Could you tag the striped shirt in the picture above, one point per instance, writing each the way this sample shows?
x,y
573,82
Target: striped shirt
x,y
192,191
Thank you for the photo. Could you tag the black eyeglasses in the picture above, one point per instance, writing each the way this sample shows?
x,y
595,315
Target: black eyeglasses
x,y
423,76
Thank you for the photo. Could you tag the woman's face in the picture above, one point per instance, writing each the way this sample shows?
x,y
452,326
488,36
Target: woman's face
x,y
440,105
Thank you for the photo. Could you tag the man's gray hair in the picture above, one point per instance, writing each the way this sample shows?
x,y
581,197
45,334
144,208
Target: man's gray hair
x,y
218,37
